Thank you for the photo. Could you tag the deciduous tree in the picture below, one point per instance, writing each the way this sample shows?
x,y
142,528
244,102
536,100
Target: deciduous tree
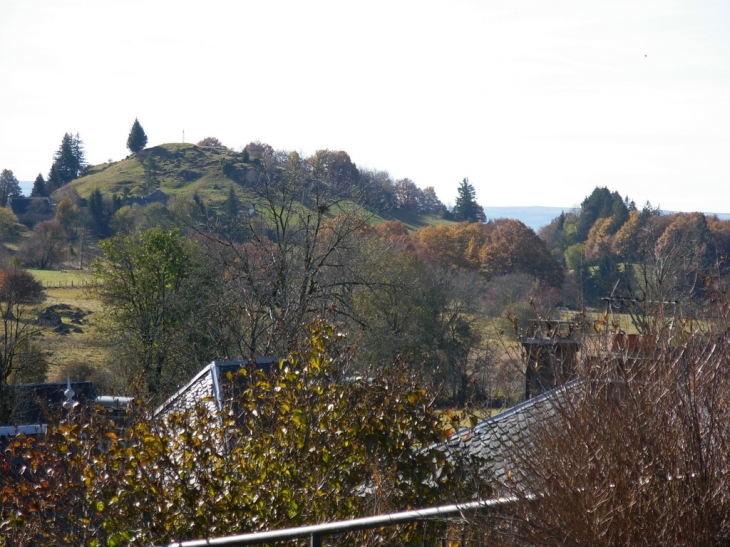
x,y
46,247
633,455
154,288
305,445
456,245
211,141
19,362
512,247
9,187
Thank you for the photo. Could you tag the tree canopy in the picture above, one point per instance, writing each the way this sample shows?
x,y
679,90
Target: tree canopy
x,y
9,187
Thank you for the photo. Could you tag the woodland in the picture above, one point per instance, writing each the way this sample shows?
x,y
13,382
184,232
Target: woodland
x,y
343,271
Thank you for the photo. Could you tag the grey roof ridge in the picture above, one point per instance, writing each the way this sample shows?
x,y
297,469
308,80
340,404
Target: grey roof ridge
x,y
493,421
172,398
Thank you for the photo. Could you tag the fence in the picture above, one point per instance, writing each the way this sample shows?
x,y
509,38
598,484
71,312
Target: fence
x,y
318,532
68,284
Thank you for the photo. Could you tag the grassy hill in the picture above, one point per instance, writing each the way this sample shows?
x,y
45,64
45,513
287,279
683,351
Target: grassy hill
x,y
178,169
181,170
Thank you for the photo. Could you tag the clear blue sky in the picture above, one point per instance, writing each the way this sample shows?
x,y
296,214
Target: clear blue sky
x,y
536,102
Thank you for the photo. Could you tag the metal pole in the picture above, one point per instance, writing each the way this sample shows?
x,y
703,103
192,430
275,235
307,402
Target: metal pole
x,y
315,540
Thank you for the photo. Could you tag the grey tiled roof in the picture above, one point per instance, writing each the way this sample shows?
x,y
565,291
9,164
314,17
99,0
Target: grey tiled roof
x,y
497,440
207,386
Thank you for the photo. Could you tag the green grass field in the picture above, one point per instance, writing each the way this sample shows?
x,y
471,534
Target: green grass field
x,y
63,278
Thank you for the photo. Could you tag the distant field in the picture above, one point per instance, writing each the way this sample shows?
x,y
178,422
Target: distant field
x,y
63,278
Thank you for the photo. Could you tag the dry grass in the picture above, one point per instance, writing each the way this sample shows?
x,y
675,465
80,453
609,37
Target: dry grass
x,y
66,350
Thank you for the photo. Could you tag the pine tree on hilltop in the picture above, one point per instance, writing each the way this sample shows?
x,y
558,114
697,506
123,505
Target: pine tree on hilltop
x,y
466,206
137,139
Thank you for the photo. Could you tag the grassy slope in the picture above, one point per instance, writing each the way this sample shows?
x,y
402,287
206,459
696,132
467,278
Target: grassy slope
x,y
181,170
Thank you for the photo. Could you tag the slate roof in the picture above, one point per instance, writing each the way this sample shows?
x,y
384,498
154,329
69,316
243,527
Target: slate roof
x,y
211,385
496,440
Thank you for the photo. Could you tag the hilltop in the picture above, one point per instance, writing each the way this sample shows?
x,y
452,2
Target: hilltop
x,y
184,170
178,169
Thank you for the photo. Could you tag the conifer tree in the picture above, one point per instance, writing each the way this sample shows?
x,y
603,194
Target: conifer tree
x,y
40,188
466,206
99,214
232,204
137,139
68,162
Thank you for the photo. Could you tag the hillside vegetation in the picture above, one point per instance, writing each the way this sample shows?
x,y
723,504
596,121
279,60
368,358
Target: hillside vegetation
x,y
178,169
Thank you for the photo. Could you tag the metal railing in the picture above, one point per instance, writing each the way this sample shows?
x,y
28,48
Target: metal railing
x,y
317,532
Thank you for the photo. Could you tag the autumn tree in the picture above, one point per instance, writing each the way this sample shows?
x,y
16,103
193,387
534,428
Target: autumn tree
x,y
457,245
9,187
297,261
430,203
512,247
407,195
46,247
68,215
137,139
304,445
466,207
376,190
211,141
336,170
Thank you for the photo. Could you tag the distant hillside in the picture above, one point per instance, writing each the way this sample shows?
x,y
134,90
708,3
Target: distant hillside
x,y
178,169
537,217
182,170
534,217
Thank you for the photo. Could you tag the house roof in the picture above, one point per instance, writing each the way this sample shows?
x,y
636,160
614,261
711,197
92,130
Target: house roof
x,y
498,439
209,385
19,205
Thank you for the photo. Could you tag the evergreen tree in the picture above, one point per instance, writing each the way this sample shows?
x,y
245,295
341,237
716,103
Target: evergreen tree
x,y
466,206
200,204
99,214
9,187
40,188
137,139
232,204
68,162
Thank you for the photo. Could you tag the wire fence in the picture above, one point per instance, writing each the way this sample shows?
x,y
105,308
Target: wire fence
x,y
69,284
